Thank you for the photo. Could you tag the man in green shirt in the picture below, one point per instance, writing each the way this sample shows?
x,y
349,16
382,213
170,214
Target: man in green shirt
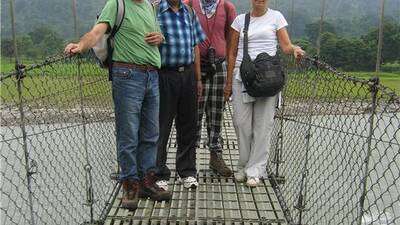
x,y
136,59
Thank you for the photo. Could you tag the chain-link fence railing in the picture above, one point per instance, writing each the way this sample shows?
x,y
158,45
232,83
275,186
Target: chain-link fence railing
x,y
336,156
57,143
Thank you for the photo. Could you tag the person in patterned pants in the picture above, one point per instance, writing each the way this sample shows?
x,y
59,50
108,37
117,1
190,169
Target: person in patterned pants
x,y
215,17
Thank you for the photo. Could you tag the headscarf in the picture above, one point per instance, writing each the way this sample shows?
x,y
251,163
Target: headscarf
x,y
209,7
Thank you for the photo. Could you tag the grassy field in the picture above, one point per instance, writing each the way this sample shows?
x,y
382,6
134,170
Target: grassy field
x,y
8,64
391,80
59,82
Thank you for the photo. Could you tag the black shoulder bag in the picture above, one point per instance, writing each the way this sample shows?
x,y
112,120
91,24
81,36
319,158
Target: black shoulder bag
x,y
264,76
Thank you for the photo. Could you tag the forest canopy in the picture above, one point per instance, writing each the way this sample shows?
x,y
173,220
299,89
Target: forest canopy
x,y
349,38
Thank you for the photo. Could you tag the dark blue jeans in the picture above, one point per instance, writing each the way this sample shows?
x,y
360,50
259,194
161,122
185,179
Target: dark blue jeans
x,y
136,99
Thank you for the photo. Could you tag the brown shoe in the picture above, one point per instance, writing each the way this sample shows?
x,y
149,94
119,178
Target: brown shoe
x,y
149,188
218,165
130,194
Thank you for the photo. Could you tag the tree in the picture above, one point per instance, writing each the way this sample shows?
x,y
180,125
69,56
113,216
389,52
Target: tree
x,y
306,45
328,48
391,41
346,53
7,48
46,40
26,47
312,30
24,44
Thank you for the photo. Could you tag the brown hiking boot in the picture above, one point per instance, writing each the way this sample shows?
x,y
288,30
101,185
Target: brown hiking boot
x,y
149,188
218,165
130,194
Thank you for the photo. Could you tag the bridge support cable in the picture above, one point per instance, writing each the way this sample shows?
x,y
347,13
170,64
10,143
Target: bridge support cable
x,y
75,15
279,145
29,164
302,195
88,168
380,36
374,82
291,17
321,24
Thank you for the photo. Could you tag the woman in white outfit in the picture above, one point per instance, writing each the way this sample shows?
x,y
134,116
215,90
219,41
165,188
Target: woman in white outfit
x,y
253,117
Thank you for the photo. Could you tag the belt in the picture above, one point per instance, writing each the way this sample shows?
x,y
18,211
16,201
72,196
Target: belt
x,y
135,66
218,66
180,69
217,61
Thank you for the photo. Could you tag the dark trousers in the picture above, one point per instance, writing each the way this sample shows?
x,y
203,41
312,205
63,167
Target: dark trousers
x,y
178,100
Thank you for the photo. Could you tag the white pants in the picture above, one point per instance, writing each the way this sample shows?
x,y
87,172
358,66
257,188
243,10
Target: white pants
x,y
253,119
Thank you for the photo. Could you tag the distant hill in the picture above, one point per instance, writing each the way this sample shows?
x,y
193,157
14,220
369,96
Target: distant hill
x,y
349,17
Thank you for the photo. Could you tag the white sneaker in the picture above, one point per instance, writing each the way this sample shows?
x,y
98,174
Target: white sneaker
x,y
240,176
163,184
189,182
252,182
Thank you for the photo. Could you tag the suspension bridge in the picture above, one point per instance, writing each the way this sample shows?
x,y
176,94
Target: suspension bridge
x,y
335,156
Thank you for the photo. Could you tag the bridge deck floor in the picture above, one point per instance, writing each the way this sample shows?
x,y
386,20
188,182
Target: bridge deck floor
x,y
217,200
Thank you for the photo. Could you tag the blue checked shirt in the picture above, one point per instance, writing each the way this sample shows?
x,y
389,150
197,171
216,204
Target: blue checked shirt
x,y
182,31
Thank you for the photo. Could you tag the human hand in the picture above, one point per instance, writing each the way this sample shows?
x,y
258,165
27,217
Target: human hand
x,y
298,53
227,91
154,38
72,48
199,90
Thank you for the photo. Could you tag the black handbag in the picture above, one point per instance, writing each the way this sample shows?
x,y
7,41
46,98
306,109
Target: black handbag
x,y
264,76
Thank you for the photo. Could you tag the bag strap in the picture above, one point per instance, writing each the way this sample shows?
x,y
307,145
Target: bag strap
x,y
246,35
118,22
156,8
119,17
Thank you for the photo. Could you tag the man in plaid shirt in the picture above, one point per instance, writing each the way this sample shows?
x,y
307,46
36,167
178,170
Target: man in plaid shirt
x,y
180,87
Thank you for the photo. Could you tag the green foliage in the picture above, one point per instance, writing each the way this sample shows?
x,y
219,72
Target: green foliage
x,y
346,53
49,13
352,53
391,41
306,45
349,18
39,43
391,67
312,30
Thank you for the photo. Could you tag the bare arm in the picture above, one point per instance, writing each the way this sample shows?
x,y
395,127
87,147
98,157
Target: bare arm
x,y
197,70
231,58
287,46
232,53
88,40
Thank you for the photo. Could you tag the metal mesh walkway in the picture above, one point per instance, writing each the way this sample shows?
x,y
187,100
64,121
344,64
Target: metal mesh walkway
x,y
217,199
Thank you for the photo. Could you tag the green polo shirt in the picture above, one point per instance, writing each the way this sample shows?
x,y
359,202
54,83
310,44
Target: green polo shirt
x,y
139,20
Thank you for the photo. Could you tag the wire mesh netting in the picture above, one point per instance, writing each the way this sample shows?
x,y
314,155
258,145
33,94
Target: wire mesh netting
x,y
58,146
336,144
